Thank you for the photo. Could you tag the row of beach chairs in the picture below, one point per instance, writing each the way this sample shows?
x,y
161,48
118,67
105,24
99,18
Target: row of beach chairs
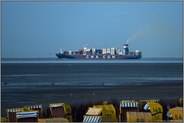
x,y
129,111
34,113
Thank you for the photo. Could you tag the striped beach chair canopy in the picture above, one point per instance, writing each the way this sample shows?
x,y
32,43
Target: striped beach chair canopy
x,y
33,106
56,104
37,108
92,119
94,111
133,104
150,100
15,109
28,114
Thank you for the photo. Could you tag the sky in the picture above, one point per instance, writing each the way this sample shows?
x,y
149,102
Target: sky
x,y
37,29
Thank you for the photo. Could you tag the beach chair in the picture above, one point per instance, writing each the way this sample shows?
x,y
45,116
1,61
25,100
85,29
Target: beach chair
x,y
142,103
36,108
11,113
61,110
27,116
108,112
175,114
138,117
156,111
100,113
45,120
4,119
125,106
93,115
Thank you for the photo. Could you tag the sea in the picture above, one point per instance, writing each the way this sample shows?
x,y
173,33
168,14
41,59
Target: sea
x,y
26,81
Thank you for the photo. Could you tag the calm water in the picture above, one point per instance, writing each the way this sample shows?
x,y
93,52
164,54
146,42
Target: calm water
x,y
56,60
37,72
20,75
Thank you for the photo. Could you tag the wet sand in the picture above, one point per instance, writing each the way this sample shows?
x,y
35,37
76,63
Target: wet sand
x,y
18,97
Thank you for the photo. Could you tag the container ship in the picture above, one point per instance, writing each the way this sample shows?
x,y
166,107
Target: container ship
x,y
102,54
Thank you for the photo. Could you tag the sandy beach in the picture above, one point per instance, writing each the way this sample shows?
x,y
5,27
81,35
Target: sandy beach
x,y
84,96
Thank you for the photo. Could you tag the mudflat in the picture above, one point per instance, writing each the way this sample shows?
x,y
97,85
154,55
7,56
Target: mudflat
x,y
84,95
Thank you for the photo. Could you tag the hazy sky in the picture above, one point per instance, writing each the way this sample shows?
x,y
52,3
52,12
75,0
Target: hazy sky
x,y
35,29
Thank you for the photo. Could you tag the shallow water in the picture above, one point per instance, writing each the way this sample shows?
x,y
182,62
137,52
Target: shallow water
x,y
41,81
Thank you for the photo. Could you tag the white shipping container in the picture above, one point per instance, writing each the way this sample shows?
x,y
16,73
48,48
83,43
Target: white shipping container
x,y
85,49
108,50
70,52
104,51
137,52
120,53
88,50
112,51
93,51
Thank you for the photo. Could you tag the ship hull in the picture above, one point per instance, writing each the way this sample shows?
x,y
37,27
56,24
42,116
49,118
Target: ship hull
x,y
97,57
